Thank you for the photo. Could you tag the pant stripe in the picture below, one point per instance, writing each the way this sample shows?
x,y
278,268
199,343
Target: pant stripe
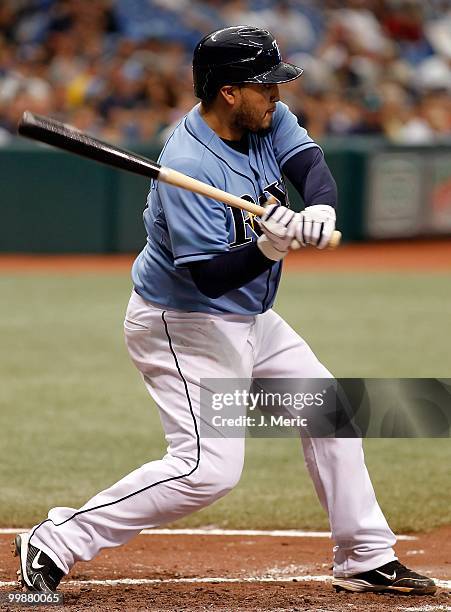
x,y
79,512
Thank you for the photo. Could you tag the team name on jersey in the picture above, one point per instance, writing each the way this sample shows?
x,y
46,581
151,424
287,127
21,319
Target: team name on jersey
x,y
244,227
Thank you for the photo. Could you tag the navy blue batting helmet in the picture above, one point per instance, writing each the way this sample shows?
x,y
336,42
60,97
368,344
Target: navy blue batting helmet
x,y
239,54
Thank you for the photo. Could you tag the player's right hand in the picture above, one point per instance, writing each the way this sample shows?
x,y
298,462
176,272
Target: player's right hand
x,y
278,225
316,226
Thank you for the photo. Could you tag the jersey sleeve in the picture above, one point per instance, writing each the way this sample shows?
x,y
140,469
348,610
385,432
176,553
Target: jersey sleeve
x,y
288,137
196,224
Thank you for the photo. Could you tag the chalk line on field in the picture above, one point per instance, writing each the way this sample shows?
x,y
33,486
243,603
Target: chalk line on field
x,y
426,608
275,533
207,579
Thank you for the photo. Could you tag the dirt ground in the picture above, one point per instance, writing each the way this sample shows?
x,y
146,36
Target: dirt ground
x,y
206,572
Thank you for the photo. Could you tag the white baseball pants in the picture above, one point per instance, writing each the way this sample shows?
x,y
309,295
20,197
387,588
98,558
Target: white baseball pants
x,y
173,351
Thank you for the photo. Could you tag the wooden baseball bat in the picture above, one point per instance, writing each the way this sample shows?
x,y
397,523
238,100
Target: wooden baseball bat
x,y
57,134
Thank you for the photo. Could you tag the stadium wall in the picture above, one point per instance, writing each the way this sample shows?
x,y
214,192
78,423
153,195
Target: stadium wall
x,y
54,202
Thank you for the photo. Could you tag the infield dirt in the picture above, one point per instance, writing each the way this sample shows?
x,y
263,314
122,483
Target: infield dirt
x,y
269,574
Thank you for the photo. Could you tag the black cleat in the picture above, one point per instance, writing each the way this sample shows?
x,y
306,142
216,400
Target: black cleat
x,y
392,577
37,571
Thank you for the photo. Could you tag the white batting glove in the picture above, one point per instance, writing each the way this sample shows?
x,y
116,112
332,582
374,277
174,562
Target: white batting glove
x,y
278,225
316,225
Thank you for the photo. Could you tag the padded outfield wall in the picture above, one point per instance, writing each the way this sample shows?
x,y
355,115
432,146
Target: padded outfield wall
x,y
55,202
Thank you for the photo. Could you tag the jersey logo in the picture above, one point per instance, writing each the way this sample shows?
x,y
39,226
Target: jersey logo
x,y
244,227
275,190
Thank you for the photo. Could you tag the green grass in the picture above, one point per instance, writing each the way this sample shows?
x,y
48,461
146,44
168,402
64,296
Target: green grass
x,y
75,416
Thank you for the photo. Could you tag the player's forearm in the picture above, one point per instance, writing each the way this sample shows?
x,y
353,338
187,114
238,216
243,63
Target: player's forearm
x,y
311,177
223,273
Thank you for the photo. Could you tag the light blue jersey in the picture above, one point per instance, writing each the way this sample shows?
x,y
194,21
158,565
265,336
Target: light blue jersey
x,y
184,227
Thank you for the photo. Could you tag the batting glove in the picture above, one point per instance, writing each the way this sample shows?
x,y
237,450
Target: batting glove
x,y
278,225
316,225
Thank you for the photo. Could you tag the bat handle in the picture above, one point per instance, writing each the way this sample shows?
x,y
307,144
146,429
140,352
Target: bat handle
x,y
334,241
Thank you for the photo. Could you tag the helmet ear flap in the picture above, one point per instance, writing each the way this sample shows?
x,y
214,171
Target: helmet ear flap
x,y
206,86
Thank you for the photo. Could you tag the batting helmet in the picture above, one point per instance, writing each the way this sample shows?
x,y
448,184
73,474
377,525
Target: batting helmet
x,y
240,54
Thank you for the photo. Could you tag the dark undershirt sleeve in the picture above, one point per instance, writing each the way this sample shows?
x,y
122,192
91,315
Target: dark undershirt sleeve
x,y
310,175
216,276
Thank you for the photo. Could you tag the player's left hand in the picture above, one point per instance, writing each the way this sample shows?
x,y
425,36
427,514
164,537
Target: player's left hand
x,y
316,226
279,225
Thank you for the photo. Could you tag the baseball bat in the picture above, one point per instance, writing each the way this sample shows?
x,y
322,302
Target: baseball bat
x,y
68,138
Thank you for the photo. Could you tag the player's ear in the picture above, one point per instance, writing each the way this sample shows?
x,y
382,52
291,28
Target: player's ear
x,y
229,93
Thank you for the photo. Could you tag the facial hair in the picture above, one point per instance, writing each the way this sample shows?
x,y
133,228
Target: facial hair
x,y
247,119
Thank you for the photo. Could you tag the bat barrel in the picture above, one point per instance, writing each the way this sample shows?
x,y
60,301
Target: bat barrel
x,y
70,139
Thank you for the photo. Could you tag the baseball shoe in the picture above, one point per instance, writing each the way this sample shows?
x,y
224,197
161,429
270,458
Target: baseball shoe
x,y
392,577
37,571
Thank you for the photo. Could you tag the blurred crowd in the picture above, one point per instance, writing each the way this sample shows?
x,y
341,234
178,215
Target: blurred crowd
x,y
121,69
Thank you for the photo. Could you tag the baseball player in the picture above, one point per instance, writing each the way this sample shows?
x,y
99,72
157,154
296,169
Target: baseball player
x,y
201,307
